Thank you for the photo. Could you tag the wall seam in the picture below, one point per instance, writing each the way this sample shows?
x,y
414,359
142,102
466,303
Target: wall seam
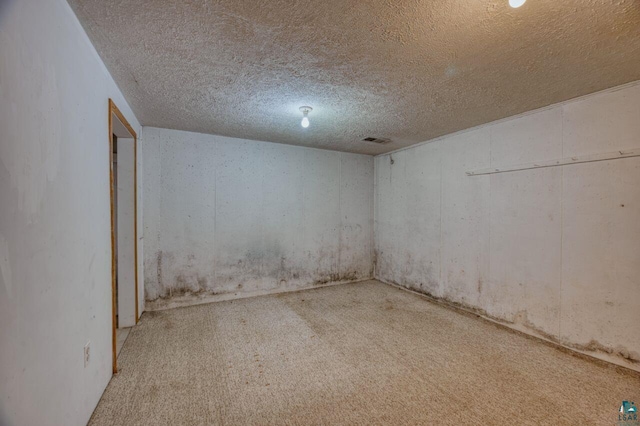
x,y
302,218
373,212
440,150
160,208
215,211
262,214
340,225
561,224
489,278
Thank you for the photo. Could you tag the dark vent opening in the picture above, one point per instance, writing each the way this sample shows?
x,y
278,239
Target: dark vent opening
x,y
376,140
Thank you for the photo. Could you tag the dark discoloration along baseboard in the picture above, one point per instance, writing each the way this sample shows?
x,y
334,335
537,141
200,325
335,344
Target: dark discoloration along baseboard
x,y
593,351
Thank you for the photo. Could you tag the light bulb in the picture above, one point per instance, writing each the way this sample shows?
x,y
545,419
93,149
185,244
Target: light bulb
x,y
516,3
305,110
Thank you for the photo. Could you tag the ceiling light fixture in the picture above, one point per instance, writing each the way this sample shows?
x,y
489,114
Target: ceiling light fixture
x,y
305,115
516,3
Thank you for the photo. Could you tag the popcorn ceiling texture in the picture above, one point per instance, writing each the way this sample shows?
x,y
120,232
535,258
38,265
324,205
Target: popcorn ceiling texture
x,y
410,71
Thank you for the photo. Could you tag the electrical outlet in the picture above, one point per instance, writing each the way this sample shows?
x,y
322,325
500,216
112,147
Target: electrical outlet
x,y
87,354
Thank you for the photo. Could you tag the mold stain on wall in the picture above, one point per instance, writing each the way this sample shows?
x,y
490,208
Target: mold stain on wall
x,y
231,218
550,252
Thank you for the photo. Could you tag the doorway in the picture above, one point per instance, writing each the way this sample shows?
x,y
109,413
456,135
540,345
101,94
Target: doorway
x,y
124,214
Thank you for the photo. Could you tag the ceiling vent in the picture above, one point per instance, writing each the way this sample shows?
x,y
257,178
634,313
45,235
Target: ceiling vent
x,y
379,141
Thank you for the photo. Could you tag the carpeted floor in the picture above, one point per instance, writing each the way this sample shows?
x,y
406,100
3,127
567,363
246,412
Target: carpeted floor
x,y
363,353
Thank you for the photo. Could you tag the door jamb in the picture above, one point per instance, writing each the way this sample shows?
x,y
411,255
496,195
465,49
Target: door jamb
x,y
113,110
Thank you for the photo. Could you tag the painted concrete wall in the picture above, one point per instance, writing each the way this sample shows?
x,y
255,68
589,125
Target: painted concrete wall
x,y
237,217
55,236
555,251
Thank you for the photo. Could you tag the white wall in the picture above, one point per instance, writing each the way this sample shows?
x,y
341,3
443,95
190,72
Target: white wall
x,y
55,237
231,216
556,251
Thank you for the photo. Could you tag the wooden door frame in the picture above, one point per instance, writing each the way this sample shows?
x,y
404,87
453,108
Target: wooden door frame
x,y
113,110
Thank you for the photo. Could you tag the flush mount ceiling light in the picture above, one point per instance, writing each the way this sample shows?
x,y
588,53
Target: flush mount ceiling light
x,y
516,3
305,115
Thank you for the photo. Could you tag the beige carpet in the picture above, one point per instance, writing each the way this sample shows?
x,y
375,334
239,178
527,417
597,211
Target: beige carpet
x,y
362,353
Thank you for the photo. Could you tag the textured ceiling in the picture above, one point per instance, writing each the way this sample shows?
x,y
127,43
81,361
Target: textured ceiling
x,y
406,70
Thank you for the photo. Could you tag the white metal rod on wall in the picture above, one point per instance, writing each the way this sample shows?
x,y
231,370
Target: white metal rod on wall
x,y
561,162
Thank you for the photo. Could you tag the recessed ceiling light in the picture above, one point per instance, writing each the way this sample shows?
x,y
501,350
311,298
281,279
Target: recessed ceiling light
x,y
516,3
305,115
